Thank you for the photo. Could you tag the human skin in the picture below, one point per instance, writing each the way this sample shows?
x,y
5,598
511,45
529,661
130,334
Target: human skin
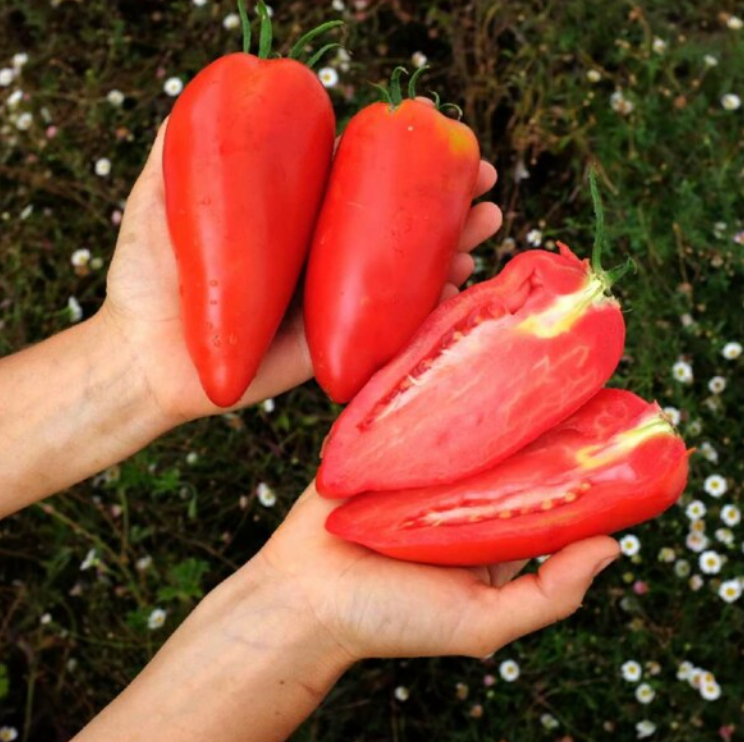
x,y
260,652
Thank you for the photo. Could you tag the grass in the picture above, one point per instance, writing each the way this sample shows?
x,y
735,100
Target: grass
x,y
671,174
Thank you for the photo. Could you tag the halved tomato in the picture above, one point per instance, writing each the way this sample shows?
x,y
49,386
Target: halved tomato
x,y
487,372
614,463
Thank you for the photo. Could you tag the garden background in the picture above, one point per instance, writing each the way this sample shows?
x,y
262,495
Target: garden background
x,y
91,587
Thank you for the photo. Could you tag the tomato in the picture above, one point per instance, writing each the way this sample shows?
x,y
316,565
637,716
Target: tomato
x,y
489,371
246,157
614,463
400,189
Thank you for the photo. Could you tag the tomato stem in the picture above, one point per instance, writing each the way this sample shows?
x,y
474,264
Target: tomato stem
x,y
437,99
384,93
314,59
246,24
452,105
414,79
615,274
299,47
265,35
395,92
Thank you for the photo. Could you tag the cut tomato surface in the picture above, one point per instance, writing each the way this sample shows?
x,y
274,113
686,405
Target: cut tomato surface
x,y
487,373
614,463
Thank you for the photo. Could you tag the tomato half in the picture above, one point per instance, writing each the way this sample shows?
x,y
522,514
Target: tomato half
x,y
400,189
614,463
488,372
247,152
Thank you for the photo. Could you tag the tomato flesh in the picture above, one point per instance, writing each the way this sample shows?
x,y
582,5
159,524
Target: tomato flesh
x,y
487,373
246,155
614,463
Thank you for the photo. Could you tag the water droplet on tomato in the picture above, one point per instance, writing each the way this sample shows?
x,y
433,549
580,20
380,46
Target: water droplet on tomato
x,y
214,282
216,341
213,302
210,326
206,201
233,339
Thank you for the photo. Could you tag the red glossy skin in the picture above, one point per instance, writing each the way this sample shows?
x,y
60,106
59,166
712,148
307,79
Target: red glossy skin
x,y
247,152
400,189
492,391
625,490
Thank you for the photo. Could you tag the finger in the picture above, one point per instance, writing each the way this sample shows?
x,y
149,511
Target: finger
x,y
448,292
461,268
487,177
499,616
150,181
483,221
501,574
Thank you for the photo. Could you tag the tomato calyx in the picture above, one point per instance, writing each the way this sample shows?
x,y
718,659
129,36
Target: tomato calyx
x,y
266,35
393,95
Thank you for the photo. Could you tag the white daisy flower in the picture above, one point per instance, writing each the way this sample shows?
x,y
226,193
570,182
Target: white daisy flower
x,y
731,102
658,45
730,591
509,670
231,21
192,457
695,427
731,515
731,351
710,562
645,729
682,372
14,98
673,415
666,555
685,670
173,86
24,121
115,97
402,693
620,104
338,6
74,309
328,76
102,167
269,11
725,536
46,619
7,75
26,212
80,258
697,526
630,545
682,568
8,734
593,75
717,384
715,485
268,405
710,691
156,619
534,237
696,542
710,60
265,495
20,60
549,721
631,671
199,3
696,510
709,453
644,693
143,563
91,560
419,59
734,23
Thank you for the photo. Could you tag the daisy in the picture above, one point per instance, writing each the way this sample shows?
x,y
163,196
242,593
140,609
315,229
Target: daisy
x,y
7,75
658,45
685,670
91,560
102,167
549,722
173,86
156,619
509,670
709,453
24,121
338,6
673,415
630,545
419,59
268,405
730,591
710,691
731,351
730,515
666,555
710,60
143,563
682,372
695,510
20,60
231,21
74,309
725,536
534,237
80,258
192,457
696,542
115,97
682,568
731,102
8,734
710,562
402,693
631,671
734,23
715,485
328,76
265,495
644,693
645,729
593,75
717,384
620,104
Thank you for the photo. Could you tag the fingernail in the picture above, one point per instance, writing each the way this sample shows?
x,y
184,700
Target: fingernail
x,y
603,565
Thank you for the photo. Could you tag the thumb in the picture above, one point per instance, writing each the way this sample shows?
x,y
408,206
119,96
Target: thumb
x,y
150,180
501,615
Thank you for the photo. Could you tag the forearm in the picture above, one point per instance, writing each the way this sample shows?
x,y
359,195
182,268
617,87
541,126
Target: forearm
x,y
69,407
249,665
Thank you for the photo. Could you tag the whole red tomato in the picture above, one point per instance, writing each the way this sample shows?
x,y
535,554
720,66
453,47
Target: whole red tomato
x,y
247,152
400,189
488,372
614,463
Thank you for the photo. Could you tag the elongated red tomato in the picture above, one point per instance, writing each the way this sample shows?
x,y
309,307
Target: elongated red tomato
x,y
488,372
247,152
614,463
401,186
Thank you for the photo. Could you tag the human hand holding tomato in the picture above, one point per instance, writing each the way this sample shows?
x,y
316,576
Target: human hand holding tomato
x,y
374,606
142,304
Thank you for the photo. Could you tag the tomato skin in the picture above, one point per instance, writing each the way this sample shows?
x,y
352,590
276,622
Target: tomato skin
x,y
625,489
400,190
246,156
497,387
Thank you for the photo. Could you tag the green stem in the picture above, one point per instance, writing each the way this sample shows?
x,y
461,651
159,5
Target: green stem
x,y
314,59
299,47
437,99
384,93
454,106
414,79
395,92
245,22
264,41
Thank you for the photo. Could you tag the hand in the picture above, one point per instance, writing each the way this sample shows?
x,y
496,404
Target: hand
x,y
373,606
142,305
